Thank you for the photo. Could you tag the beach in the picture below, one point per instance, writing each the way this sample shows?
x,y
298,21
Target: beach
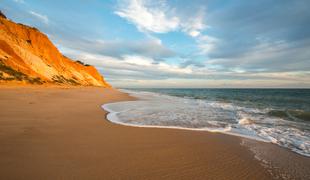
x,y
62,133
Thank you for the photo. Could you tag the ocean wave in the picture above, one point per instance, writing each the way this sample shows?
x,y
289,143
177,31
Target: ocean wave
x,y
294,115
164,111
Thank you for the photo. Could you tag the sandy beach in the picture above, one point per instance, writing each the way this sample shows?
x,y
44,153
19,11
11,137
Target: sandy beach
x,y
62,133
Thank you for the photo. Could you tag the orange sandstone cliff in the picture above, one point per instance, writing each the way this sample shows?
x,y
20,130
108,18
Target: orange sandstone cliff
x,y
27,56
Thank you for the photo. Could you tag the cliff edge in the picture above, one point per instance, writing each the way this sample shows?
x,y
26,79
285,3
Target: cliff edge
x,y
28,56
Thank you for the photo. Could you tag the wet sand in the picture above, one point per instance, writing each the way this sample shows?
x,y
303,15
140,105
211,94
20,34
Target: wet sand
x,y
62,133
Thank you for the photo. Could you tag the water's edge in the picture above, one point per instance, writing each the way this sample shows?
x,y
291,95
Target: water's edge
x,y
277,167
112,117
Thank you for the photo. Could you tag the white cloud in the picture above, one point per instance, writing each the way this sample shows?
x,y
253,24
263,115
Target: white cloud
x,y
195,25
160,18
140,71
206,43
268,56
137,60
150,18
148,47
135,63
41,17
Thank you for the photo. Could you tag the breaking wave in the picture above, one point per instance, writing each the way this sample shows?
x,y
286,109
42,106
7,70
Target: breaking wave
x,y
285,128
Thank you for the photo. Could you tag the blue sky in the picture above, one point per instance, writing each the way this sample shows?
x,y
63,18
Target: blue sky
x,y
179,43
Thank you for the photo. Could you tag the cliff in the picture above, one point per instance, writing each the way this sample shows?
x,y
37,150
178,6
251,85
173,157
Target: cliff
x,y
28,56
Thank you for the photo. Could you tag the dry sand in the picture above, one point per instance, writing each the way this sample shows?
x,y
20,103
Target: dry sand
x,y
61,133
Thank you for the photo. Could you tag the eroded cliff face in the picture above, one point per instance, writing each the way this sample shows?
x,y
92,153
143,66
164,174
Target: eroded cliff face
x,y
28,56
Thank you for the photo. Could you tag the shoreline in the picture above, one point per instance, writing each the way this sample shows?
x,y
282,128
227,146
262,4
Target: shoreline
x,y
113,114
278,168
54,133
113,117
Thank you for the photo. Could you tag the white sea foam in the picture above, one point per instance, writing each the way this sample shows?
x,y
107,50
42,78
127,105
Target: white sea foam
x,y
245,121
163,111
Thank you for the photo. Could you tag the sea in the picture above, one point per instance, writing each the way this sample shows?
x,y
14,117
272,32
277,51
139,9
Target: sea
x,y
279,116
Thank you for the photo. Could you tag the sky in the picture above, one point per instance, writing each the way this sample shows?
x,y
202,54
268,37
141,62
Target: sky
x,y
179,43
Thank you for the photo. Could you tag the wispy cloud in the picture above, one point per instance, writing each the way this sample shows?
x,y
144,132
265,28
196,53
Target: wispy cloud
x,y
152,18
193,26
42,18
160,18
117,48
134,71
206,44
278,56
